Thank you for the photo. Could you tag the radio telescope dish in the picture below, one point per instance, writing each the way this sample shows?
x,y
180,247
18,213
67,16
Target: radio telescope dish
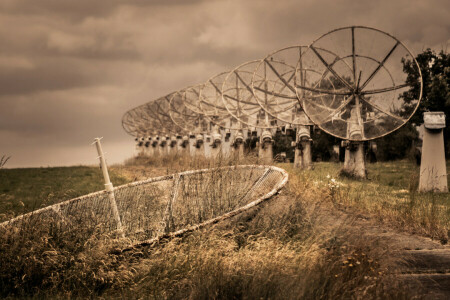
x,y
191,98
186,119
274,85
159,110
358,93
140,121
212,105
238,98
129,123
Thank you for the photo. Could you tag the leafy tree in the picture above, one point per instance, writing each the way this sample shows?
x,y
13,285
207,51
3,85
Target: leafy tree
x,y
282,143
322,146
398,144
435,69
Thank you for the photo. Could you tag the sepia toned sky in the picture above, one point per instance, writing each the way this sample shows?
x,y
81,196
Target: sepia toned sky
x,y
70,69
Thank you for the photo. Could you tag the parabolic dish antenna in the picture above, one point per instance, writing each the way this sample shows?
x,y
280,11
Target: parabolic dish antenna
x,y
139,121
274,84
211,102
159,109
212,105
356,92
185,118
191,98
238,97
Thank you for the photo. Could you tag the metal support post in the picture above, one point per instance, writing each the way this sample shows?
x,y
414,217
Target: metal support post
x,y
108,186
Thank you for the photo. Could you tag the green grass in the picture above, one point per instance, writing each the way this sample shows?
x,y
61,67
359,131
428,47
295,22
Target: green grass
x,y
23,190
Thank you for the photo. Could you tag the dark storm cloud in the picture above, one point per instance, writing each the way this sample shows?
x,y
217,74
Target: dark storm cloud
x,y
80,9
51,75
70,69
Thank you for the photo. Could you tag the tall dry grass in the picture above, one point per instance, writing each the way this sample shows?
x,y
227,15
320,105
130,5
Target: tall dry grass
x,y
143,166
291,247
390,196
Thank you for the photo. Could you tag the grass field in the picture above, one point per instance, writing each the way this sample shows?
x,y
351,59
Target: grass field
x,y
286,249
24,190
390,193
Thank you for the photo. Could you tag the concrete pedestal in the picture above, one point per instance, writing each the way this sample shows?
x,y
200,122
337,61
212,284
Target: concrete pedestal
x,y
156,150
303,157
266,153
199,151
354,164
226,148
238,151
433,171
149,150
216,151
164,149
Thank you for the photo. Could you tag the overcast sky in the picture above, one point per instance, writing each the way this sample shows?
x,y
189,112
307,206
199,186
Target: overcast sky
x,y
69,69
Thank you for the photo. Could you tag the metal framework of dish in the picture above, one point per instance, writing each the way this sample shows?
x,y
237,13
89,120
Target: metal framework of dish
x,y
165,206
212,106
185,113
348,82
355,90
240,101
274,85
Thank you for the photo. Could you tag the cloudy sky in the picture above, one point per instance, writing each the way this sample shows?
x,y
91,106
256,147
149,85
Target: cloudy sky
x,y
69,69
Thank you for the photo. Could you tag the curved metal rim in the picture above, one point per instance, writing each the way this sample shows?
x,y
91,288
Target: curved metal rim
x,y
256,104
275,190
413,58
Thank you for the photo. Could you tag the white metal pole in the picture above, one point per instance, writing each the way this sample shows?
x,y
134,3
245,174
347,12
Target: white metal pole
x,y
108,185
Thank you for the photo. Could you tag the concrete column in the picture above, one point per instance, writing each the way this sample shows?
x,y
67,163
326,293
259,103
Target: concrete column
x,y
155,146
265,148
163,146
137,148
238,145
302,155
433,169
354,164
141,146
199,150
148,147
208,142
184,146
173,145
216,145
226,143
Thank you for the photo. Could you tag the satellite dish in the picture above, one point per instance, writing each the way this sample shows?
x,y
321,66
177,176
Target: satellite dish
x,y
188,120
138,122
213,107
191,98
274,85
129,123
364,101
239,99
159,111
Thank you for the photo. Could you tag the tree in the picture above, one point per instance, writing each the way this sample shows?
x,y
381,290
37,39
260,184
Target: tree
x,y
435,68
